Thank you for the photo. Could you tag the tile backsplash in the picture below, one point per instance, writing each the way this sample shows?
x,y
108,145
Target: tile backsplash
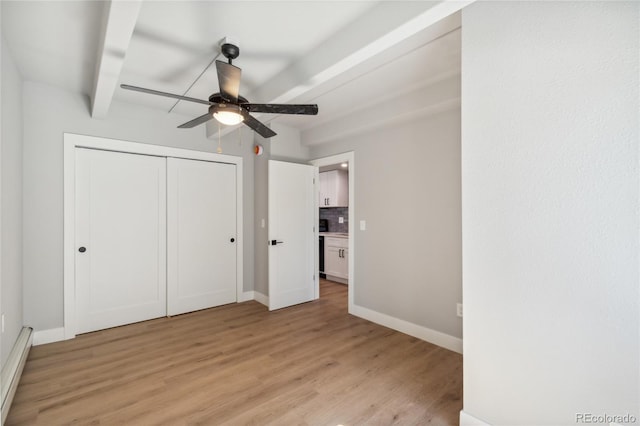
x,y
332,214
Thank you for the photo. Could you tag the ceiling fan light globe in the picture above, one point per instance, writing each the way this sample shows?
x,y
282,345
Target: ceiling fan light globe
x,y
228,118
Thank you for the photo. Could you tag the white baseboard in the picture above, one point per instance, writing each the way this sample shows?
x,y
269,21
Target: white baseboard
x,y
43,337
246,296
467,419
432,336
12,369
261,298
337,279
254,295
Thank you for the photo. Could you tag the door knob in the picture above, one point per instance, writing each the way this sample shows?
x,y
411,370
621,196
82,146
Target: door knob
x,y
233,240
274,242
82,249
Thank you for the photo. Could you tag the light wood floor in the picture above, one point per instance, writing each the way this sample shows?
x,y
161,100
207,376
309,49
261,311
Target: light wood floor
x,y
311,364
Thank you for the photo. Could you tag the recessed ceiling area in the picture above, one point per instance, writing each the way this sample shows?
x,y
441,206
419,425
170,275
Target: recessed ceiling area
x,y
358,60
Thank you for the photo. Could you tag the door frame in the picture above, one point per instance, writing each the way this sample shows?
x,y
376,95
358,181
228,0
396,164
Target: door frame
x,y
347,157
73,141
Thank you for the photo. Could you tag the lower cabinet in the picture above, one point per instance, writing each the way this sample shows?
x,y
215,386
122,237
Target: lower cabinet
x,y
336,258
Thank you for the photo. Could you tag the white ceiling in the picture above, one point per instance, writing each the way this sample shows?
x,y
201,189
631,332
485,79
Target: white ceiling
x,y
345,56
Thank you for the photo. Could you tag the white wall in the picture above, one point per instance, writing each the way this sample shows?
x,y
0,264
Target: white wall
x,y
11,202
261,204
407,187
286,146
550,103
48,113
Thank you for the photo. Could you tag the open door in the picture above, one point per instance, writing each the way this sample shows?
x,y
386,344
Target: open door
x,y
292,236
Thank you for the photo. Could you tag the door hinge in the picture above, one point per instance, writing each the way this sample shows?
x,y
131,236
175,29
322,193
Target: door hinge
x,y
314,277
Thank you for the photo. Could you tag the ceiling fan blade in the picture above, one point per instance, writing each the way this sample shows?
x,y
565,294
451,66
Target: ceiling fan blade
x,y
168,95
283,108
229,81
256,125
196,121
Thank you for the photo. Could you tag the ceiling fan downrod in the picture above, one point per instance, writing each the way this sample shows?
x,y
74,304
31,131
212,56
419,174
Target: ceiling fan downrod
x,y
230,51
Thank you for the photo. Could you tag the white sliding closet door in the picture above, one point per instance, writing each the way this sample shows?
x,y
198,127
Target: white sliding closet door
x,y
120,238
201,234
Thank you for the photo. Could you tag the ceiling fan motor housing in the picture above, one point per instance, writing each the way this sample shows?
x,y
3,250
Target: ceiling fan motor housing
x,y
218,99
229,48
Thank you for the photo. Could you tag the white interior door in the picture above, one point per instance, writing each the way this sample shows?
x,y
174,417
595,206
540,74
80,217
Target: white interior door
x,y
201,234
120,238
293,240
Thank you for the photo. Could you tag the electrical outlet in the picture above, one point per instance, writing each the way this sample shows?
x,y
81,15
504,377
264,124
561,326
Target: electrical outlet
x,y
262,223
459,309
363,225
340,219
2,323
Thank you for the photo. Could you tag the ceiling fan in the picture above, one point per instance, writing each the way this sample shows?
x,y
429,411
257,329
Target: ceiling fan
x,y
228,106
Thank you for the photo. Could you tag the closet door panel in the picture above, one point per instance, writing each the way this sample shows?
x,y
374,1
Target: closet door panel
x,y
201,234
120,238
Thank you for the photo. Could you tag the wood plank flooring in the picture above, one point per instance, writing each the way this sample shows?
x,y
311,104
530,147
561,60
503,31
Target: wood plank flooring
x,y
311,364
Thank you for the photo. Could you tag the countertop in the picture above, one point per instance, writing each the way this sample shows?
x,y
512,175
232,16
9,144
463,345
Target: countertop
x,y
334,234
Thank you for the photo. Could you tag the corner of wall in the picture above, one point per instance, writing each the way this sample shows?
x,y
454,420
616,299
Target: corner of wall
x,y
467,419
11,201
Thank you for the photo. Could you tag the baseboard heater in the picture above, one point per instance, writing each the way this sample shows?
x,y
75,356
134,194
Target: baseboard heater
x,y
12,369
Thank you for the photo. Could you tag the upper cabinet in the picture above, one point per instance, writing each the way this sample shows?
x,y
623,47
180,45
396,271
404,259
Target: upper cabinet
x,y
334,189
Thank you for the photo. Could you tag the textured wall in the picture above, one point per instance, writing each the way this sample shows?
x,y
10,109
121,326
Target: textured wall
x,y
11,210
550,102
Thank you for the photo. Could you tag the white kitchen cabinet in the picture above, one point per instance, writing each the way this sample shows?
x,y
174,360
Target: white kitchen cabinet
x,y
334,189
336,258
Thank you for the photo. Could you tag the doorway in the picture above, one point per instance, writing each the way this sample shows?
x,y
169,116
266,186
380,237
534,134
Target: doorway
x,y
339,254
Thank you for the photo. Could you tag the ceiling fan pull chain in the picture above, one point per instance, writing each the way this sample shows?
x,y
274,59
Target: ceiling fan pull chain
x,y
219,140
